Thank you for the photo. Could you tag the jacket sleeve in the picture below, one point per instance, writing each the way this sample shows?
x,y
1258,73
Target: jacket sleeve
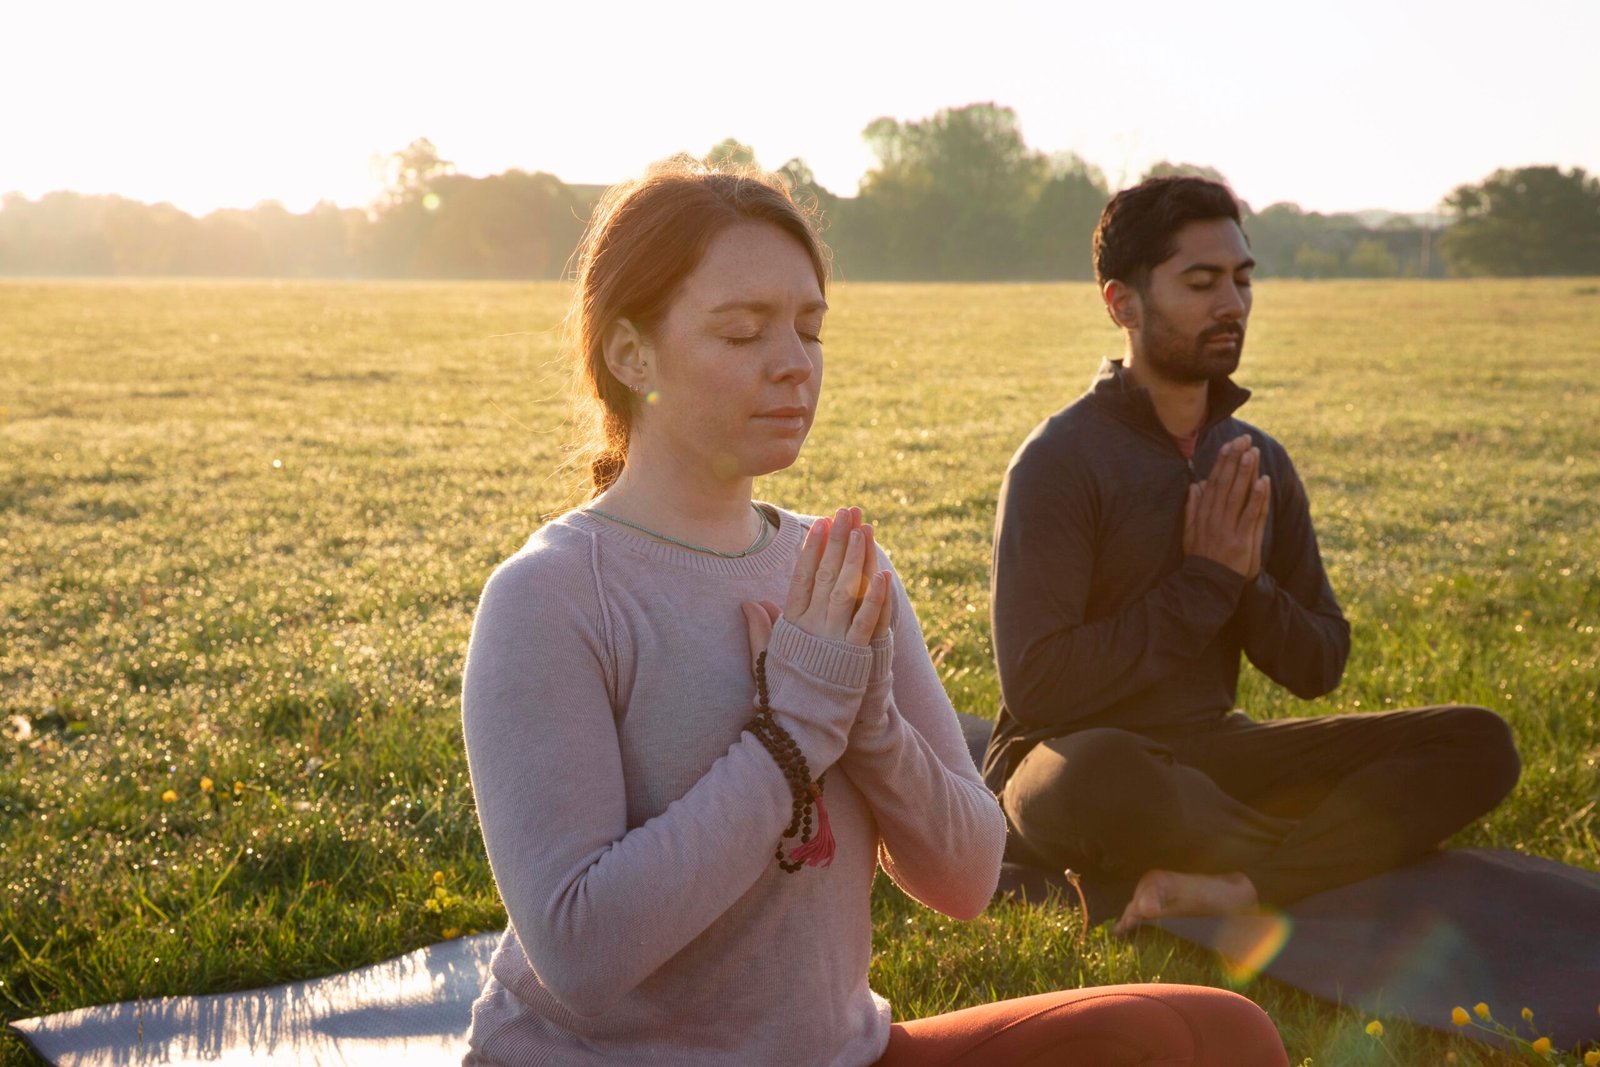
x,y
596,905
941,833
1056,665
1294,631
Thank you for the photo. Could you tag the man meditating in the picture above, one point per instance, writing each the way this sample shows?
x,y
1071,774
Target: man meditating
x,y
1145,538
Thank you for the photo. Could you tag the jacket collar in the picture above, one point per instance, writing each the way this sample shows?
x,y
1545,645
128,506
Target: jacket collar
x,y
1114,391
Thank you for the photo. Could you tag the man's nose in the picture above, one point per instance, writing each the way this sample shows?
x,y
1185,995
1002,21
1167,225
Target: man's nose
x,y
1232,305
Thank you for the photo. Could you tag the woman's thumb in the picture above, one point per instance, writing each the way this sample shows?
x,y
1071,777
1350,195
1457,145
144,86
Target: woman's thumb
x,y
759,624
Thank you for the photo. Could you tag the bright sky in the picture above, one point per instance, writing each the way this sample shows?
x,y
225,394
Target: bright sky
x,y
1359,104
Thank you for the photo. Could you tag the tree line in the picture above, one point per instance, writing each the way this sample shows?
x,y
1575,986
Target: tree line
x,y
958,196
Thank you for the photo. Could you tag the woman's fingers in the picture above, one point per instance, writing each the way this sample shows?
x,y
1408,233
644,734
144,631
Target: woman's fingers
x,y
805,569
869,563
887,610
842,595
758,623
873,608
832,562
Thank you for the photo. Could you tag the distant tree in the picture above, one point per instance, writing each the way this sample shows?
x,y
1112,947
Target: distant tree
x,y
731,151
1371,258
1313,262
510,225
1059,227
408,175
947,197
1532,220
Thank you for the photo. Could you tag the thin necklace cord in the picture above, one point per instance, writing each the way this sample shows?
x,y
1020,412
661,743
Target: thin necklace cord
x,y
761,535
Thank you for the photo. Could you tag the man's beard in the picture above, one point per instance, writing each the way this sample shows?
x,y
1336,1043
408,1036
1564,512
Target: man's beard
x,y
1179,358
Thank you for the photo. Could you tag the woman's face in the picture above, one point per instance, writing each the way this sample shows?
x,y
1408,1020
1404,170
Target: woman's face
x,y
735,366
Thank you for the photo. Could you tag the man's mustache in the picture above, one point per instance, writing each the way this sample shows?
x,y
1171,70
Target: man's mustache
x,y
1222,329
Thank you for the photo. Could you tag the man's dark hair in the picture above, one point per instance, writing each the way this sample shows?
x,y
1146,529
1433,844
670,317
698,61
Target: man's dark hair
x,y
1139,227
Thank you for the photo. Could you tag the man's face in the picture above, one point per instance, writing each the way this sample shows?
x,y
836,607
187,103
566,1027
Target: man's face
x,y
1193,310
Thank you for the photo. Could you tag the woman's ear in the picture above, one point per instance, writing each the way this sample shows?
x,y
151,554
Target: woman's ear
x,y
627,356
1122,301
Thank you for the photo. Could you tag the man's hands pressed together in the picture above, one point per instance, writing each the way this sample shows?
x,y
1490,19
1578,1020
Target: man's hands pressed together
x,y
1225,515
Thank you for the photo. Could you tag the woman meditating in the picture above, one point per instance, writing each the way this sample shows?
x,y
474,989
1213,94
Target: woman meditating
x,y
697,724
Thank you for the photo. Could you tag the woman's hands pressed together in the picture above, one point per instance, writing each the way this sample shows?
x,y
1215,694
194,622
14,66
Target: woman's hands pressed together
x,y
836,593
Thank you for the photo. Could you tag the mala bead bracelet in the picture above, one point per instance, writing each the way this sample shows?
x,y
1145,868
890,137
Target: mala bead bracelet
x,y
815,852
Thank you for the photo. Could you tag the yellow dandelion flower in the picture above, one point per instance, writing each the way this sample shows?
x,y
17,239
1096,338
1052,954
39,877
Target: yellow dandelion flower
x,y
438,878
1374,1029
1591,1058
451,933
1459,1016
1542,1046
1481,1010
238,788
206,784
1527,1015
169,796
1450,1057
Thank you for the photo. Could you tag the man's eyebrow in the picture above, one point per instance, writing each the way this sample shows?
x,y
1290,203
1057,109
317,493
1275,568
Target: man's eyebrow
x,y
1214,268
764,306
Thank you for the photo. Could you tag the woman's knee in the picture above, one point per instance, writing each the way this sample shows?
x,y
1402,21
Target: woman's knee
x,y
1225,1029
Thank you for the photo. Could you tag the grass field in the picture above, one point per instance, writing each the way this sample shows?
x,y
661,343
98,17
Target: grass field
x,y
243,528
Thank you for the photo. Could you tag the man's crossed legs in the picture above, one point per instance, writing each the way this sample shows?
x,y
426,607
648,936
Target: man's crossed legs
x,y
1214,820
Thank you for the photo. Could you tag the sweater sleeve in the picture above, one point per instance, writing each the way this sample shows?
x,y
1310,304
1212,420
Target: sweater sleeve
x,y
941,831
598,906
1056,665
1294,630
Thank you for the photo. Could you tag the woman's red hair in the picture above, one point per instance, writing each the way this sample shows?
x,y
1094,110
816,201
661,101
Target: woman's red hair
x,y
643,239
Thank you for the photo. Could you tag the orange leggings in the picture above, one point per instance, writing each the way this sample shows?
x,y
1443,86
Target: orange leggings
x,y
1104,1026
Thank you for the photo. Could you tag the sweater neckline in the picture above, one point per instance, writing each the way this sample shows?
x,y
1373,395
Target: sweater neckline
x,y
779,551
1114,388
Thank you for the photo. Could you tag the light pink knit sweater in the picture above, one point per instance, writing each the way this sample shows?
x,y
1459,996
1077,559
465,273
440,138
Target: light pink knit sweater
x,y
630,822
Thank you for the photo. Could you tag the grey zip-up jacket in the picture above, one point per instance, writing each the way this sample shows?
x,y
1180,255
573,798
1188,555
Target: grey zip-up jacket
x,y
1101,620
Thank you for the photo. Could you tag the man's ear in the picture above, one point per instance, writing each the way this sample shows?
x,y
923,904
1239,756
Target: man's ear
x,y
1122,301
628,356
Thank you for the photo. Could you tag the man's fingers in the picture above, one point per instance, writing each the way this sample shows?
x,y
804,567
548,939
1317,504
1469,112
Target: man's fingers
x,y
1244,481
1236,475
1228,463
1260,503
805,569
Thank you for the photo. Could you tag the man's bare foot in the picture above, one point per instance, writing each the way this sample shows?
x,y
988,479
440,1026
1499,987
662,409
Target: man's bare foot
x,y
1161,894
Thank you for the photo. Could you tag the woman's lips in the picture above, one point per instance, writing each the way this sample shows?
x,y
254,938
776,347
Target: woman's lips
x,y
791,418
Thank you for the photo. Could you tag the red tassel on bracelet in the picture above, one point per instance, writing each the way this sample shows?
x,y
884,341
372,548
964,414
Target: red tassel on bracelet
x,y
818,852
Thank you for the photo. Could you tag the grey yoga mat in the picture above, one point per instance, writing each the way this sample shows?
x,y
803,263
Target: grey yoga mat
x,y
411,1009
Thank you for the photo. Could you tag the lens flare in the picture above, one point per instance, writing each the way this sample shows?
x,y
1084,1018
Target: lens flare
x,y
1249,943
